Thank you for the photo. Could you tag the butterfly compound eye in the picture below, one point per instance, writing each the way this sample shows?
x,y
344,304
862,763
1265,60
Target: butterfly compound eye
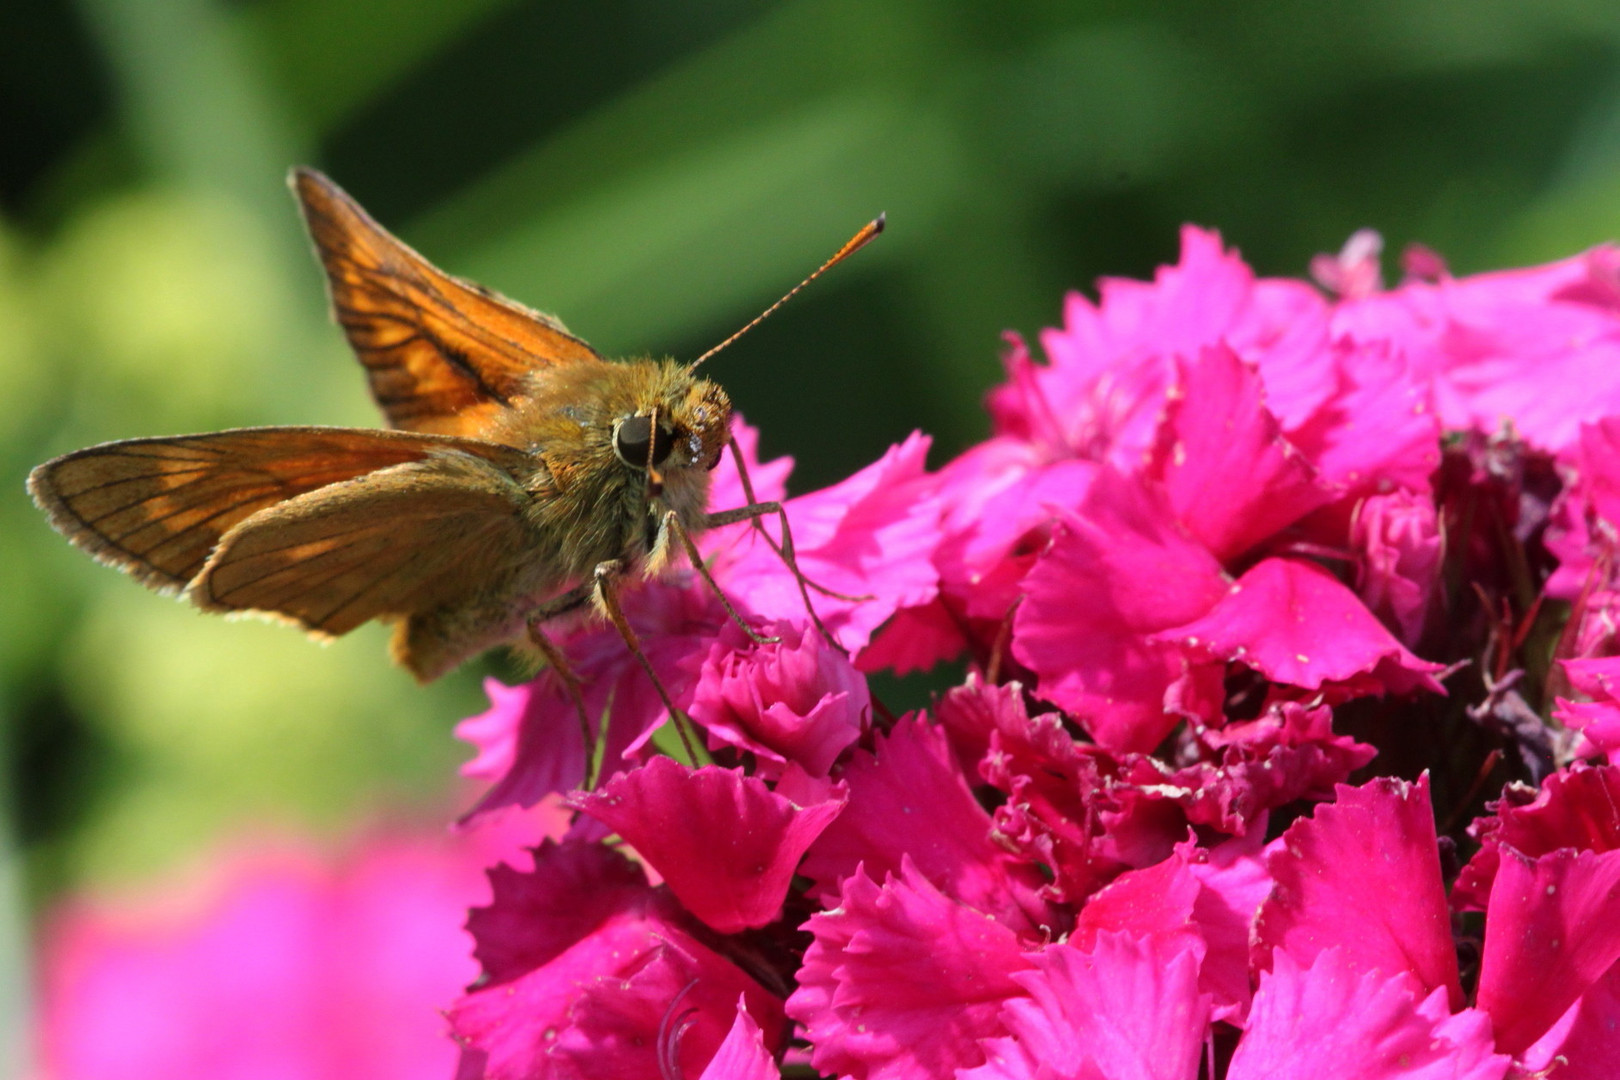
x,y
630,439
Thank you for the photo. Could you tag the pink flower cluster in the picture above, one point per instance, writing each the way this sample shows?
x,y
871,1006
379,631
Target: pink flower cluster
x,y
1255,582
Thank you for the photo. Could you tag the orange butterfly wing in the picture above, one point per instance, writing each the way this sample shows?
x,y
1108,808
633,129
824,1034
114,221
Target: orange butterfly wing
x,y
441,354
416,537
157,508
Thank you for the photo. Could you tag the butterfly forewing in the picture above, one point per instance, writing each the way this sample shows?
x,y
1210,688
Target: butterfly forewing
x,y
441,354
414,537
157,507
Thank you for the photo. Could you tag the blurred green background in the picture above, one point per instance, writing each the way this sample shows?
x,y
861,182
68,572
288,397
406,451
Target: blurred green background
x,y
655,172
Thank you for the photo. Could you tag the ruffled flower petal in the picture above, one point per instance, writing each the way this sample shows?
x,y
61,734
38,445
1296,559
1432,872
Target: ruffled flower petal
x,y
611,965
1231,478
724,843
1235,882
1539,345
535,914
1329,1019
1585,1042
1598,719
796,699
743,1056
902,982
1157,900
1363,875
909,804
1254,766
1295,623
1124,1008
872,536
1378,432
1551,931
1575,809
1141,574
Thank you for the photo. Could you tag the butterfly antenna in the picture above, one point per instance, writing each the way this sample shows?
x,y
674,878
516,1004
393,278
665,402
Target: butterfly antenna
x,y
856,242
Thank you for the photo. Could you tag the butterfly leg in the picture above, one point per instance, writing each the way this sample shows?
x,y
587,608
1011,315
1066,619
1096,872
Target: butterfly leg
x,y
672,526
559,664
605,591
754,512
785,549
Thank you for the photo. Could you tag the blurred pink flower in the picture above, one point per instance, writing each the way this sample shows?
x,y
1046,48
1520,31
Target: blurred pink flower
x,y
278,964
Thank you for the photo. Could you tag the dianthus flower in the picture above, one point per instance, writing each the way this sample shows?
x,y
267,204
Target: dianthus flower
x,y
275,962
1273,604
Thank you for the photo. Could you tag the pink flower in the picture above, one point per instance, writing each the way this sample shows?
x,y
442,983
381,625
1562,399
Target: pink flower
x,y
797,699
1539,347
589,971
1208,570
279,964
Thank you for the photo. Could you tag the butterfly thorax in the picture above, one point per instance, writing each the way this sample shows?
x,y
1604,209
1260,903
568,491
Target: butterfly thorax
x,y
603,482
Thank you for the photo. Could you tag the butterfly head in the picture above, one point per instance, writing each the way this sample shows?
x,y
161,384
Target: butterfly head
x,y
679,425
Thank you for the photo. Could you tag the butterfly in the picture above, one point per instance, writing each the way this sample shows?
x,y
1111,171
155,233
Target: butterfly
x,y
522,475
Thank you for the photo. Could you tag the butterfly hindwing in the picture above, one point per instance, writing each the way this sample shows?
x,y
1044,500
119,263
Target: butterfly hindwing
x,y
414,537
